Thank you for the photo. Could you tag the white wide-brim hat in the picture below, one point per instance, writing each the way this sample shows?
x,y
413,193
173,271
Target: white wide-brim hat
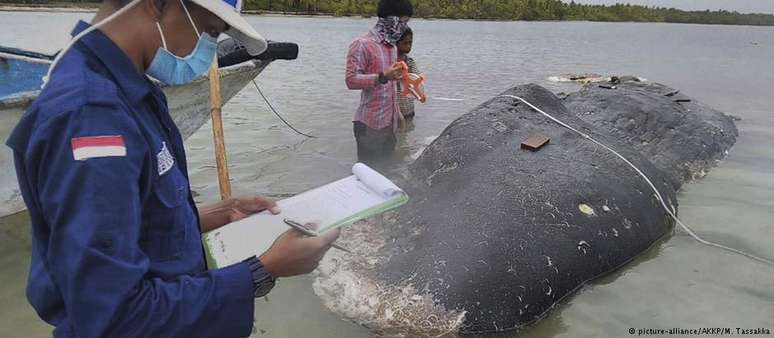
x,y
239,29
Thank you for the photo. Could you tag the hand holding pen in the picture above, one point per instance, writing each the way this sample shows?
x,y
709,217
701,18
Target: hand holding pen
x,y
311,233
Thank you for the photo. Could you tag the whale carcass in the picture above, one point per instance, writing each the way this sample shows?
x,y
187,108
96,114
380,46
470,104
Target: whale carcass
x,y
496,236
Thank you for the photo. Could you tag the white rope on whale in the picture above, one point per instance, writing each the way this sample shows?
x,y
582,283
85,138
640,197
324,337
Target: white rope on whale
x,y
652,186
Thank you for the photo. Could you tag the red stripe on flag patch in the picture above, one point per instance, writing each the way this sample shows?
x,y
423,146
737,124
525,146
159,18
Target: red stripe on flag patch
x,y
98,146
93,141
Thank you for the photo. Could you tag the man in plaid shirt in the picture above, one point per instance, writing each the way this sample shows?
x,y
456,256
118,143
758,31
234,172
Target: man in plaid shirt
x,y
372,67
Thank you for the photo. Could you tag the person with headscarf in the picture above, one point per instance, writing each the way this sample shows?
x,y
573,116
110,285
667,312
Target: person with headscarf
x,y
372,67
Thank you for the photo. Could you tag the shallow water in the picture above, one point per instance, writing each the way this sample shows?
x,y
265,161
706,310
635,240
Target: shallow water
x,y
677,284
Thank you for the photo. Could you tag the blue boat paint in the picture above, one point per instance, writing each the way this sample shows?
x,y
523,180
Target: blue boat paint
x,y
19,76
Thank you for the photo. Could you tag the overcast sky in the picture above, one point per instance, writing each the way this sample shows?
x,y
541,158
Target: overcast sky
x,y
743,6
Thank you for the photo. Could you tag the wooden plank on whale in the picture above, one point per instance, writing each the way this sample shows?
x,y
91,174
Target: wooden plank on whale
x,y
535,142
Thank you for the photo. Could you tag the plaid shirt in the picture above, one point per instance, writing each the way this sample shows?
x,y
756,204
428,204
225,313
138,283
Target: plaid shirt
x,y
367,57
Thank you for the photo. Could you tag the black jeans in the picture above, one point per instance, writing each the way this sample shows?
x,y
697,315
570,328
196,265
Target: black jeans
x,y
373,144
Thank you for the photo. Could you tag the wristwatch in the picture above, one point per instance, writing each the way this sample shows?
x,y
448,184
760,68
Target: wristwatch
x,y
383,79
263,281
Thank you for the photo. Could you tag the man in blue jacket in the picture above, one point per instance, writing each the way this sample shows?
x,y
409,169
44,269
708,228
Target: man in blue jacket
x,y
116,248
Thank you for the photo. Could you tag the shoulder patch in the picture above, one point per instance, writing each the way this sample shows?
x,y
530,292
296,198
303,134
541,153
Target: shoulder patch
x,y
88,147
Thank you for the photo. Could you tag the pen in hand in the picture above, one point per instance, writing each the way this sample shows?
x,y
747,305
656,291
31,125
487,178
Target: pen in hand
x,y
311,233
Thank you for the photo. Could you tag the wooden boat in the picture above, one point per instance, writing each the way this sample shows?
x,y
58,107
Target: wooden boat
x,y
20,78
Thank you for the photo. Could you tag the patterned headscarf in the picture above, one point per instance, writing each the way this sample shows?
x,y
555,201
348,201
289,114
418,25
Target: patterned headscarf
x,y
390,29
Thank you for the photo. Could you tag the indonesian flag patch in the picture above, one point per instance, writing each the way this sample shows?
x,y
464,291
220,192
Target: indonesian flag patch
x,y
85,148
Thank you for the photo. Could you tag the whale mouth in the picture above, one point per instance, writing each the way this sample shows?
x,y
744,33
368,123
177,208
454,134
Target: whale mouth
x,y
345,286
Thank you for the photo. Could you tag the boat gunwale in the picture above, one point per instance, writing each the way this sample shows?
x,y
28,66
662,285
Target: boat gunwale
x,y
23,99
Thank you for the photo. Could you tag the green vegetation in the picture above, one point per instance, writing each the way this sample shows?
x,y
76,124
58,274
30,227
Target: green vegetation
x,y
517,10
496,10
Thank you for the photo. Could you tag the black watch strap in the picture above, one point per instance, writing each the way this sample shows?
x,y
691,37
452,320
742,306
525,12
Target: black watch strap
x,y
263,281
383,78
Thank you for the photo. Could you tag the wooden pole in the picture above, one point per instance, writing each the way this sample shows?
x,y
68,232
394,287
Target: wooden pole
x,y
217,132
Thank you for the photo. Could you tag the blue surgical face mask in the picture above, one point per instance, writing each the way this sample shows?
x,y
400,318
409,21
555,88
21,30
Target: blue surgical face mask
x,y
174,70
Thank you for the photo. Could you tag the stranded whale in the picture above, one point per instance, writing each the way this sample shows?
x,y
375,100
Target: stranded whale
x,y
496,236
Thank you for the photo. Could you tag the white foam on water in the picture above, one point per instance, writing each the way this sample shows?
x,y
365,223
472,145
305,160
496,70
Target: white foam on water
x,y
558,79
580,78
345,285
425,142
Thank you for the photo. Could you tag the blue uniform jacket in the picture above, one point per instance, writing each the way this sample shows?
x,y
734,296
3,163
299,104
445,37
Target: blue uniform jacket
x,y
116,249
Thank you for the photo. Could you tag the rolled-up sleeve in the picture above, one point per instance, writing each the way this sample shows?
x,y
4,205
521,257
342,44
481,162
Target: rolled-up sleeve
x,y
92,206
357,62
